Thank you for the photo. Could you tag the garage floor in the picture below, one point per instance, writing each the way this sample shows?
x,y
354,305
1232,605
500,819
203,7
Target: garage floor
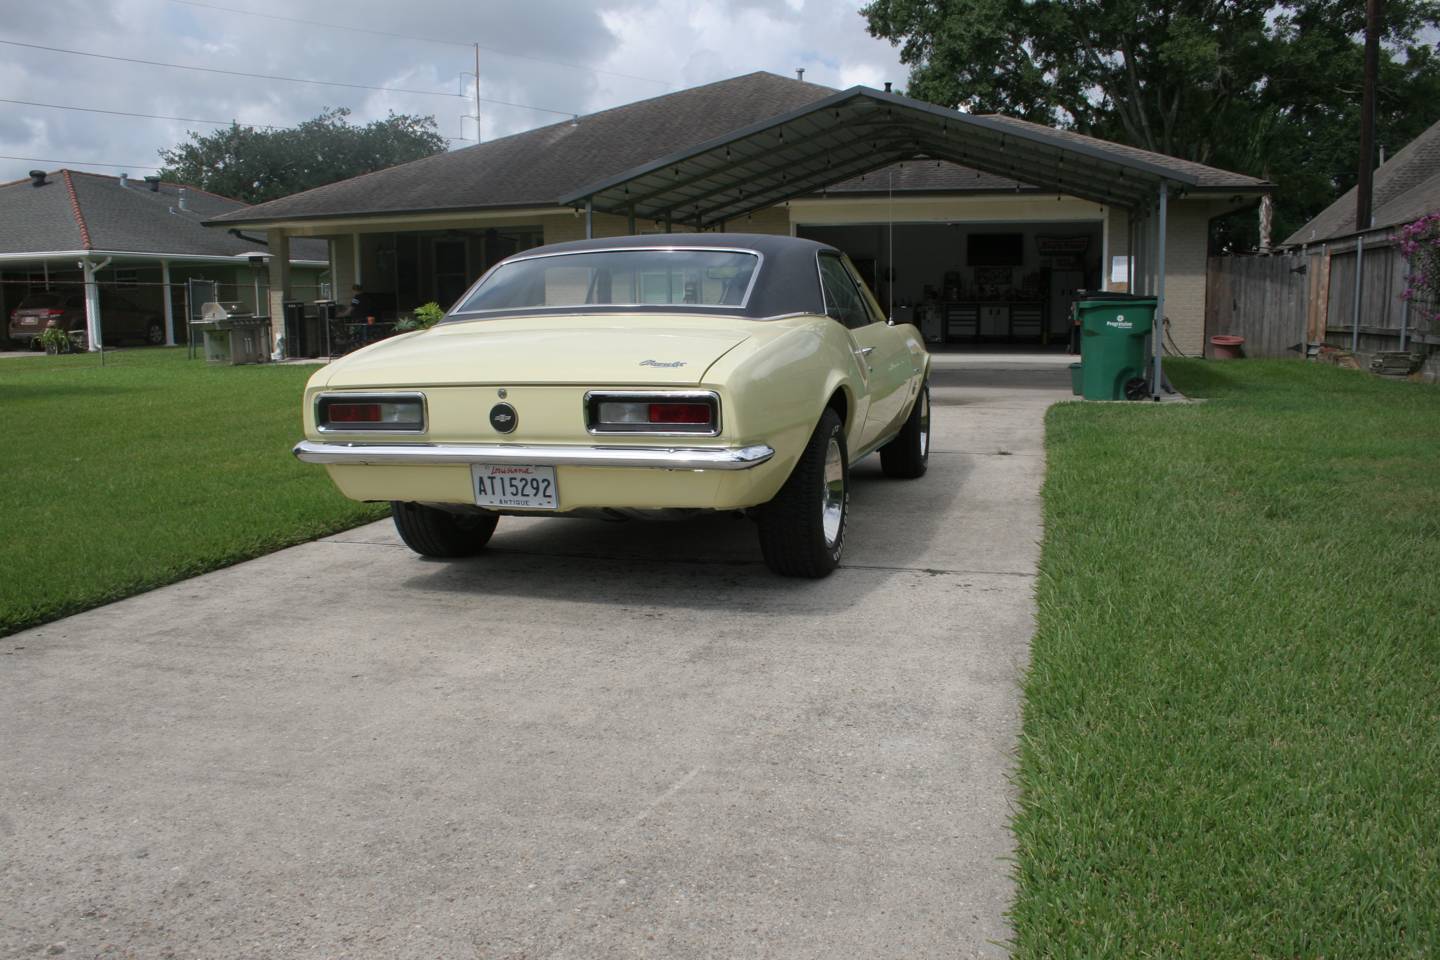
x,y
599,740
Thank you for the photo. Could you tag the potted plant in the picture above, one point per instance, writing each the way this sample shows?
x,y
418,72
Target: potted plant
x,y
54,340
422,317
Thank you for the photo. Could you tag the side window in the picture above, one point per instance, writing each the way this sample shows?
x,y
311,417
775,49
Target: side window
x,y
842,299
867,297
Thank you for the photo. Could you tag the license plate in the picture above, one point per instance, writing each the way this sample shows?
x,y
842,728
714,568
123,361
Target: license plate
x,y
514,485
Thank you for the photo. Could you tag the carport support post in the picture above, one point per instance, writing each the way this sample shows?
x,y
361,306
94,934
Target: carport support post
x,y
279,244
1158,336
589,219
92,308
169,305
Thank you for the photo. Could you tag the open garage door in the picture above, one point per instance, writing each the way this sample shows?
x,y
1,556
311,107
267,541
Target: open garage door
x,y
978,283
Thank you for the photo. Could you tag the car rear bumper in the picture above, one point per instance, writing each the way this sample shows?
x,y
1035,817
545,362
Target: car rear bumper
x,y
457,454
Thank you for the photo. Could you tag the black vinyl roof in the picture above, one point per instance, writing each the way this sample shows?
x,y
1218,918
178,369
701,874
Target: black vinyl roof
x,y
788,281
860,130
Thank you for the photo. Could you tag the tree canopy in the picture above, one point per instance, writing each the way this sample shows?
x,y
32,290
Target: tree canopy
x,y
257,164
1264,88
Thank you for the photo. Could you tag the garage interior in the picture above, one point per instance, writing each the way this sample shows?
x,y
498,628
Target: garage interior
x,y
975,283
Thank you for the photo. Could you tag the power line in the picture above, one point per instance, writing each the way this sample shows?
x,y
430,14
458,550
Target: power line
x,y
403,36
156,116
234,73
268,76
143,116
82,163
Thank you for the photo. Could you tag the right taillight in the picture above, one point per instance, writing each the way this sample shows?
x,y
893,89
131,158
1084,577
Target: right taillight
x,y
697,413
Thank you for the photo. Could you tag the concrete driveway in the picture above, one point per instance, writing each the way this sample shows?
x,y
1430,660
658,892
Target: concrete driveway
x,y
599,740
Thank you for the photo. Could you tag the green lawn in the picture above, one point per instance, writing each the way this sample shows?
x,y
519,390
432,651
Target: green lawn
x,y
1232,725
147,470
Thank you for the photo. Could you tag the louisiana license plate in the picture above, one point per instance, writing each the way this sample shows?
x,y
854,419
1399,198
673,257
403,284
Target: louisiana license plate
x,y
514,485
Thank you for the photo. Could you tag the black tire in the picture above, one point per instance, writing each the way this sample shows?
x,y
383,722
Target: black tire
x,y
439,533
907,456
155,333
800,533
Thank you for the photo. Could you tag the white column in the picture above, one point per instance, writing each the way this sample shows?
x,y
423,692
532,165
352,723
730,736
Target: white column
x,y
92,308
279,243
169,304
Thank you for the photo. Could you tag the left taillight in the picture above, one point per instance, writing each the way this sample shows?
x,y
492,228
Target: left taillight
x,y
387,413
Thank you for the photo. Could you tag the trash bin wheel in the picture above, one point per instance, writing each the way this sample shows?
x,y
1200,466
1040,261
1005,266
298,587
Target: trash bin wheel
x,y
439,533
1137,388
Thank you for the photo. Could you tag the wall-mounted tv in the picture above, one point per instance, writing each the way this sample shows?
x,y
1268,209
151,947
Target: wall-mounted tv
x,y
995,250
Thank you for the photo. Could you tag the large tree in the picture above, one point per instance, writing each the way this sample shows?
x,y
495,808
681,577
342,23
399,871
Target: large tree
x,y
1271,89
258,164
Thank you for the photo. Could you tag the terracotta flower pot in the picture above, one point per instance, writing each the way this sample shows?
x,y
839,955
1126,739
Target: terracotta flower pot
x,y
1224,347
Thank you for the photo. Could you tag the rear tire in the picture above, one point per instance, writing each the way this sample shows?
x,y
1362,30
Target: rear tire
x,y
155,333
439,533
907,456
802,530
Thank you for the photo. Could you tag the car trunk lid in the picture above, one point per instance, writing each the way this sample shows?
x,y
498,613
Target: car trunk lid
x,y
583,349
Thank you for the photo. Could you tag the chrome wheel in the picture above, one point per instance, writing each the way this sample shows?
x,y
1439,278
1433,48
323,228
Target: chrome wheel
x,y
924,422
832,505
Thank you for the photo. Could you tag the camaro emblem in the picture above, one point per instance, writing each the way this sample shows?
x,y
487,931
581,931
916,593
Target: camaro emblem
x,y
662,363
503,418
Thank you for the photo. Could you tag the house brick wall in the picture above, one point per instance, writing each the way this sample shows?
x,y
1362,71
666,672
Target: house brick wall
x,y
1187,244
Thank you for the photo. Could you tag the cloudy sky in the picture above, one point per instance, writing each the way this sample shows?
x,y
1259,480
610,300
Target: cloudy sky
x,y
567,56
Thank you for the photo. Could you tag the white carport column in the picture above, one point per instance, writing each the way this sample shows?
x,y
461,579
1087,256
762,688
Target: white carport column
x,y
92,307
279,243
1159,334
169,303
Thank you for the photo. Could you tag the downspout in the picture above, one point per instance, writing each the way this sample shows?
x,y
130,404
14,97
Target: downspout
x,y
92,303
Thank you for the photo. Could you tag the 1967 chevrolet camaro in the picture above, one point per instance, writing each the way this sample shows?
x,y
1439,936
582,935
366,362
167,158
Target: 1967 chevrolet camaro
x,y
649,376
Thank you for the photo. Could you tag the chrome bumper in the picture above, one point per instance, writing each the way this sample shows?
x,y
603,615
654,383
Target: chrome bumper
x,y
435,454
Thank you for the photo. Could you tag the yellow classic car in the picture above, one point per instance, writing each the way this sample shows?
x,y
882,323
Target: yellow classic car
x,y
633,377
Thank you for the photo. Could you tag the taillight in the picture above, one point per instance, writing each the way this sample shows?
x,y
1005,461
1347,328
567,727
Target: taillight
x,y
54,313
679,413
399,413
653,413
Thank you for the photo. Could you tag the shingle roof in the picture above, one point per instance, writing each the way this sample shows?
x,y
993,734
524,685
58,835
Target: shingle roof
x,y
1207,177
542,166
1407,186
536,167
90,211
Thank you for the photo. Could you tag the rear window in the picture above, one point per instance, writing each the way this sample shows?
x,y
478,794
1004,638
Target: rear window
x,y
621,278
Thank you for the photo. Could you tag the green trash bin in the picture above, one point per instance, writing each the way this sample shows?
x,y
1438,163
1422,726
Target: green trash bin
x,y
1113,331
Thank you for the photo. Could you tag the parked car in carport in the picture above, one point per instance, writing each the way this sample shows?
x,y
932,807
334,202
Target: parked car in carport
x,y
121,319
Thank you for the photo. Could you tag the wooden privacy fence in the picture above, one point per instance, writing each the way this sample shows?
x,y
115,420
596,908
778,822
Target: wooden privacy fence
x,y
1347,294
1263,299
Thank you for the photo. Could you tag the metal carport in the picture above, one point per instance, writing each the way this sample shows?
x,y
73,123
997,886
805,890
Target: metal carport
x,y
861,130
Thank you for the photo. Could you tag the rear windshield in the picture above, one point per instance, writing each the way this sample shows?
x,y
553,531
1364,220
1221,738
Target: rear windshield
x,y
635,277
37,300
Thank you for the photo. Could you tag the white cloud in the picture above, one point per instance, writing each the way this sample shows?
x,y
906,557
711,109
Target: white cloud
x,y
678,42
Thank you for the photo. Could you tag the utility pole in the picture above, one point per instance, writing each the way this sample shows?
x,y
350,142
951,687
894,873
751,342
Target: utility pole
x,y
1365,187
477,93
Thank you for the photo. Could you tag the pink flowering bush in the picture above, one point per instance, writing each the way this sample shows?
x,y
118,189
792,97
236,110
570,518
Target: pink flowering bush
x,y
1420,243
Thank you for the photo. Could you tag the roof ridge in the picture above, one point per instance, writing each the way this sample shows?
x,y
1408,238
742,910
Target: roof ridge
x,y
75,209
140,180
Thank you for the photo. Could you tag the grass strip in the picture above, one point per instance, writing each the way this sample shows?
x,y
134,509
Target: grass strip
x,y
1231,742
147,470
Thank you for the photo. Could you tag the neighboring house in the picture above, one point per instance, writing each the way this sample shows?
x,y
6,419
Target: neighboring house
x,y
104,237
1354,279
1406,187
980,227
